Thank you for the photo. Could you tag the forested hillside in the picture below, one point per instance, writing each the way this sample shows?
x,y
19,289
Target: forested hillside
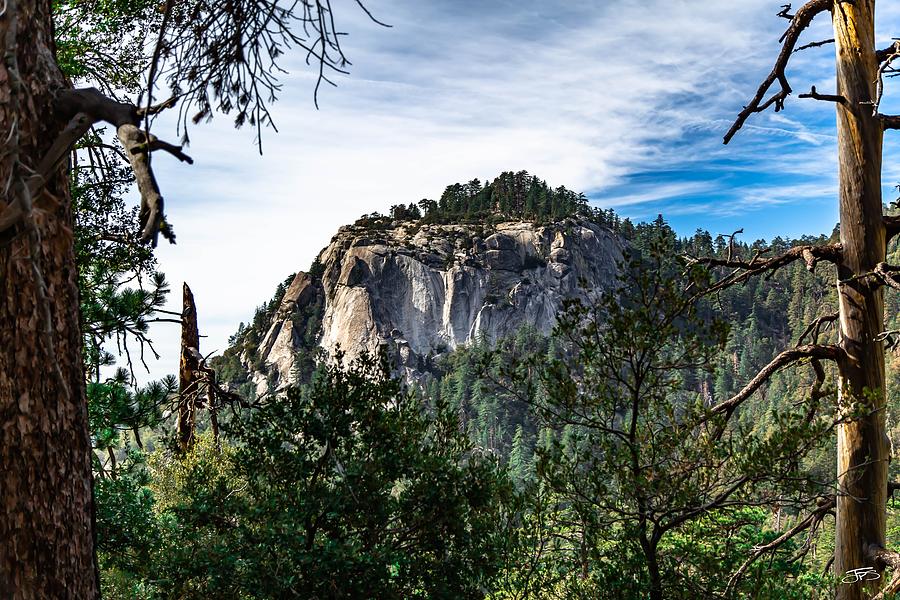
x,y
493,445
501,392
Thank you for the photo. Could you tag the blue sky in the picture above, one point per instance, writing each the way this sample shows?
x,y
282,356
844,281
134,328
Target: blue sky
x,y
626,100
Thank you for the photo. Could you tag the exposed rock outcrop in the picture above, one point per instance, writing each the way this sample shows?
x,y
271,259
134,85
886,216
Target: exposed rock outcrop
x,y
422,290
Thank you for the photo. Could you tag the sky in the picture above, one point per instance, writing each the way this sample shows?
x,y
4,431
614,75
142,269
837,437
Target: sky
x,y
625,100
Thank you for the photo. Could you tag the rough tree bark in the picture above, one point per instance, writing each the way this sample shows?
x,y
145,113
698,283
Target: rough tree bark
x,y
46,519
46,522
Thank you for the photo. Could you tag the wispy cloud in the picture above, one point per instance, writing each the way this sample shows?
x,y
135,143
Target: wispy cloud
x,y
626,99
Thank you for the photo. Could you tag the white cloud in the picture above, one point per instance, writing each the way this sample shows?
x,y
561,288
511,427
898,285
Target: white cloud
x,y
585,94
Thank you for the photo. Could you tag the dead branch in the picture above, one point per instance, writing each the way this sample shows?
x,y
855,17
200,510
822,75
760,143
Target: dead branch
x,y
883,67
815,327
785,12
731,239
811,522
883,274
814,45
885,559
825,506
157,144
746,269
815,95
126,118
883,55
889,121
799,22
888,274
786,358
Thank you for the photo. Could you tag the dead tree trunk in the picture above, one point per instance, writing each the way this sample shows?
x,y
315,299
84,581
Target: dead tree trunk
x,y
188,382
862,444
46,504
863,447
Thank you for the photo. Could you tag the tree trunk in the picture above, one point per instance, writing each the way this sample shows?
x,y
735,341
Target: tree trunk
x,y
863,449
188,382
656,592
46,520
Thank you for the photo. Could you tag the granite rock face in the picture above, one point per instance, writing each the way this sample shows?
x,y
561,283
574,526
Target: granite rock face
x,y
423,290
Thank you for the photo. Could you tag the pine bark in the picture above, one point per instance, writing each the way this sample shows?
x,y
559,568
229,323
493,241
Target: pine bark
x,y
46,504
863,448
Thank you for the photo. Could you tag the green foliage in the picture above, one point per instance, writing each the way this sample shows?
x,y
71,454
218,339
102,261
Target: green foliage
x,y
115,406
509,196
128,530
343,489
627,381
104,42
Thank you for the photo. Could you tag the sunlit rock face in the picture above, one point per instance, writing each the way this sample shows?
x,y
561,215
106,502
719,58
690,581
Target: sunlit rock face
x,y
421,291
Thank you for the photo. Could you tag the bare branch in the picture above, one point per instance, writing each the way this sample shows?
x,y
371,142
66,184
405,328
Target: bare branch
x,y
744,269
137,143
823,97
815,327
157,144
731,239
889,121
884,558
152,215
787,357
883,274
799,22
887,274
883,67
883,55
155,109
814,45
826,506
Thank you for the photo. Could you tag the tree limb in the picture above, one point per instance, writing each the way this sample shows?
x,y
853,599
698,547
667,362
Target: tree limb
x,y
815,95
883,55
126,118
884,273
815,327
785,358
889,121
745,269
826,506
814,45
799,22
883,559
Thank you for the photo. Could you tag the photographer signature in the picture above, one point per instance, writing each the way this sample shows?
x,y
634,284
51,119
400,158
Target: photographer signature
x,y
862,574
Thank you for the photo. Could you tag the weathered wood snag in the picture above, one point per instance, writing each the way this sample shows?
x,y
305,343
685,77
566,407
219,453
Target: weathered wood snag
x,y
863,446
188,380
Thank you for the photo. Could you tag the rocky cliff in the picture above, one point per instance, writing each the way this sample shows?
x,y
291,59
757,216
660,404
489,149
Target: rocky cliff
x,y
422,290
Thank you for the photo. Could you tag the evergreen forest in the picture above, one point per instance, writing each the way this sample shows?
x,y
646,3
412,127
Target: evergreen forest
x,y
718,422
